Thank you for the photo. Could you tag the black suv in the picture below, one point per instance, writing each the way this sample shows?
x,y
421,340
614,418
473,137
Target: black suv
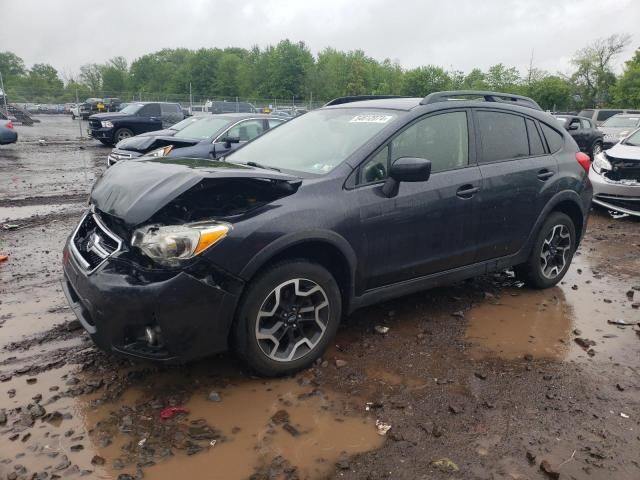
x,y
355,203
134,119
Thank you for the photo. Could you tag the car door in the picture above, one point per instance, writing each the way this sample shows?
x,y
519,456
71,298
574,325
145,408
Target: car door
x,y
149,118
579,134
170,114
517,172
428,227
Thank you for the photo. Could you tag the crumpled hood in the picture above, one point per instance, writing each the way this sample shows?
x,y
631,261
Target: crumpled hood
x,y
134,140
134,191
147,143
624,152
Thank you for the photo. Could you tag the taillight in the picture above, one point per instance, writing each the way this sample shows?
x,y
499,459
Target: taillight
x,y
584,160
9,124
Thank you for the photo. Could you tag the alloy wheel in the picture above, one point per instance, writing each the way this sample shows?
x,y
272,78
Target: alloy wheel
x,y
555,251
292,320
122,135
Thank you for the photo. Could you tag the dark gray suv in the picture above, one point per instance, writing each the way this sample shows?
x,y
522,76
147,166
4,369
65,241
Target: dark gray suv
x,y
355,203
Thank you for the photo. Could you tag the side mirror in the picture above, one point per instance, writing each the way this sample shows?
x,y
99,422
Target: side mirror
x,y
406,169
229,140
573,126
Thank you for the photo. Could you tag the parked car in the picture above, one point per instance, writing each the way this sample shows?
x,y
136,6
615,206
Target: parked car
x,y
137,118
584,132
342,207
600,115
8,134
89,107
615,175
618,127
210,137
229,107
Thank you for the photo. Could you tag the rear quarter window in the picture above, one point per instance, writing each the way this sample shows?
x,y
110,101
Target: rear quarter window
x,y
555,140
536,146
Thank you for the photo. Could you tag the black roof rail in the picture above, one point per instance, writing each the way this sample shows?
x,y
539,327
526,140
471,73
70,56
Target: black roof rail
x,y
359,98
486,96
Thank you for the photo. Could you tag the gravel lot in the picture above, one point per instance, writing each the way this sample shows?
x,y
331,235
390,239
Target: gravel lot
x,y
483,379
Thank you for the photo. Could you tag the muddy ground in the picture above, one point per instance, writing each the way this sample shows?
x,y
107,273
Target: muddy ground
x,y
484,379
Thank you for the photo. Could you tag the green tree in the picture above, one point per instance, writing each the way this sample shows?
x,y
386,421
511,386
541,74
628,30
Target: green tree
x,y
91,76
11,66
551,92
115,77
627,91
422,81
503,79
593,77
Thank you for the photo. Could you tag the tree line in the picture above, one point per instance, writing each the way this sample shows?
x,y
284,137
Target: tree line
x,y
289,70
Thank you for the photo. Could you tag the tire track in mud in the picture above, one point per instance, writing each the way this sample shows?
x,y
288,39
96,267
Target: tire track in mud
x,y
61,199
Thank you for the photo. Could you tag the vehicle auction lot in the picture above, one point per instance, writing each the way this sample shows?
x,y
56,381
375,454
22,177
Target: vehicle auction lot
x,y
483,379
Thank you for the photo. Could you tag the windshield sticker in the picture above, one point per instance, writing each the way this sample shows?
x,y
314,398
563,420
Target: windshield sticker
x,y
369,118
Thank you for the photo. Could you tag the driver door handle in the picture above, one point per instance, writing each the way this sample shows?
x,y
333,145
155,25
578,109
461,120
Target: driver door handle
x,y
467,191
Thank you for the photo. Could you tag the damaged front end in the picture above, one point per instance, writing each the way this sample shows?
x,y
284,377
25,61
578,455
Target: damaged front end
x,y
616,182
135,270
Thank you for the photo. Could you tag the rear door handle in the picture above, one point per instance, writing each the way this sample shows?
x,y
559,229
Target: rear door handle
x,y
467,191
545,174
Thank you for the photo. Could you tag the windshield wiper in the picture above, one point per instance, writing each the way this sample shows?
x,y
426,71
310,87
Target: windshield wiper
x,y
265,167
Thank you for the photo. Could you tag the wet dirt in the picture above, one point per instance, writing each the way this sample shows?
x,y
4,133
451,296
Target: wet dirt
x,y
483,379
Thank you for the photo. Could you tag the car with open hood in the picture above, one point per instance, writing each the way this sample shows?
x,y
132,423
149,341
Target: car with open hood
x,y
618,127
211,137
615,175
264,250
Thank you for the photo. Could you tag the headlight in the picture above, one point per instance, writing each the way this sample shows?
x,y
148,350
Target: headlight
x,y
172,244
107,124
160,152
601,163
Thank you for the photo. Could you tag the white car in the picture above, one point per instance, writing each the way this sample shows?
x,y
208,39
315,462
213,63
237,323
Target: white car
x,y
615,176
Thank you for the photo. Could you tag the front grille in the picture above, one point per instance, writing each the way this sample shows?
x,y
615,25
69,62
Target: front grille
x,y
623,169
93,243
95,124
620,201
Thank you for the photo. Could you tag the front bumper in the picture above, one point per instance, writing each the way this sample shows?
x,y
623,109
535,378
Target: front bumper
x,y
101,133
116,302
621,196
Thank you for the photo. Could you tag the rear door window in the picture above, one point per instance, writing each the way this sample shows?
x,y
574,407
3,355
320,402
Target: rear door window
x,y
150,110
536,147
586,123
605,114
555,140
503,136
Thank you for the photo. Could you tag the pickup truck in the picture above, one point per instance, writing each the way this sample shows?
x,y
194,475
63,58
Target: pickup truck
x,y
134,119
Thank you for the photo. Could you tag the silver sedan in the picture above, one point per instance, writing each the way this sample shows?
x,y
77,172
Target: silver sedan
x,y
615,175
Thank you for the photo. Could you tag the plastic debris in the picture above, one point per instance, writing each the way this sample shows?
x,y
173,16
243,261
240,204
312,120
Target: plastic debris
x,y
142,442
624,415
382,427
171,411
381,329
445,464
619,322
4,258
212,443
11,226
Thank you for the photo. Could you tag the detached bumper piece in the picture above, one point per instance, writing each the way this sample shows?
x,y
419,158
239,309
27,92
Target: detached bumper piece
x,y
168,316
620,203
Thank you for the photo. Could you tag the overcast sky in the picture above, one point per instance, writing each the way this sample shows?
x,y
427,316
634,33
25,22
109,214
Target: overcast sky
x,y
455,34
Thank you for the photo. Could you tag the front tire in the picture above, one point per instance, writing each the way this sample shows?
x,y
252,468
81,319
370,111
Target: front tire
x,y
288,316
551,254
121,134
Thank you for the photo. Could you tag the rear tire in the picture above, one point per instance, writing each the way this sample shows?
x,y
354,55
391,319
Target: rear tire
x,y
288,316
551,254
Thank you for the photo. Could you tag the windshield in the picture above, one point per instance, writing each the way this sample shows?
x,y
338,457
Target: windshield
x,y
633,140
562,120
132,108
184,123
316,142
622,122
204,128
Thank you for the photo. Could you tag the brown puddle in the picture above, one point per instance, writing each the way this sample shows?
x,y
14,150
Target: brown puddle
x,y
316,431
545,323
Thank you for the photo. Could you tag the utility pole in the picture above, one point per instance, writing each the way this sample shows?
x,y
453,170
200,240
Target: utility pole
x,y
4,96
190,100
78,107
